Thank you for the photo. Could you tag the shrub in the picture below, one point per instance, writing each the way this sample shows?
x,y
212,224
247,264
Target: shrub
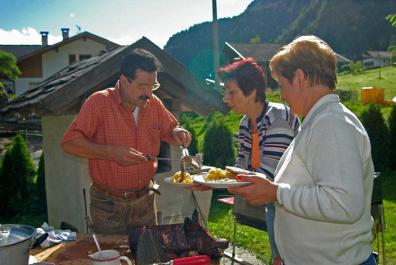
x,y
392,138
193,147
40,193
352,68
347,94
377,130
17,178
218,143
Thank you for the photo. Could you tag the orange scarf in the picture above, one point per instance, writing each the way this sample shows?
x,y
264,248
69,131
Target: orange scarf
x,y
255,155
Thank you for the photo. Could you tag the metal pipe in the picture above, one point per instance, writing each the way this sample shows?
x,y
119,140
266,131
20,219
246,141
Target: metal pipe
x,y
215,37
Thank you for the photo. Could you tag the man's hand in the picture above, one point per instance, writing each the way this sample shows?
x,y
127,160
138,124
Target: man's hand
x,y
122,155
127,156
260,191
181,136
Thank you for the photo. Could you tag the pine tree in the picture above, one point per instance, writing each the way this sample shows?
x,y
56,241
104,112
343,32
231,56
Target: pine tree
x,y
17,178
377,130
218,145
392,138
193,147
40,194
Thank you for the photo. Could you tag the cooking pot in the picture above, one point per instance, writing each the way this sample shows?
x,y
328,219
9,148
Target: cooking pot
x,y
15,244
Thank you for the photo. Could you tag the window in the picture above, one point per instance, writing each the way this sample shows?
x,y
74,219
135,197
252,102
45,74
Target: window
x,y
84,57
72,58
78,57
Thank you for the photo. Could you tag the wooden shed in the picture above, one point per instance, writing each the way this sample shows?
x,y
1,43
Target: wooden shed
x,y
58,99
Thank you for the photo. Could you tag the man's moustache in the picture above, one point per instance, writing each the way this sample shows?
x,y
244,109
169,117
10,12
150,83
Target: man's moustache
x,y
144,98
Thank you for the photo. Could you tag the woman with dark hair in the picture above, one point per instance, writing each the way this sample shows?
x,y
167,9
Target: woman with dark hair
x,y
265,130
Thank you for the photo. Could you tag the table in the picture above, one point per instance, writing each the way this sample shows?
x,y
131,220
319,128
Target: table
x,y
76,252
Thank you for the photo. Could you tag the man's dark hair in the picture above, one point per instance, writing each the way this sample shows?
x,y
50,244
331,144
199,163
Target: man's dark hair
x,y
139,59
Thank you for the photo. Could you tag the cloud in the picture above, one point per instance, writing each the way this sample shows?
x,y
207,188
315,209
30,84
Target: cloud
x,y
125,40
25,36
72,15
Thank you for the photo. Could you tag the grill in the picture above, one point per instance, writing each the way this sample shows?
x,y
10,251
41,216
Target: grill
x,y
253,216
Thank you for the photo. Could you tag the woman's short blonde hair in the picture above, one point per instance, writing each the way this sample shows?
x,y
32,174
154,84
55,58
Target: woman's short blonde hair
x,y
310,54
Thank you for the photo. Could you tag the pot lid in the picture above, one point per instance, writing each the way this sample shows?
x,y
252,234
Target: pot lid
x,y
12,234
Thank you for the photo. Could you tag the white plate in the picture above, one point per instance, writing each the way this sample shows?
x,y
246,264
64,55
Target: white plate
x,y
200,179
168,180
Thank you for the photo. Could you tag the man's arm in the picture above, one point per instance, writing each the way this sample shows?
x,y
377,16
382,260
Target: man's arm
x,y
123,155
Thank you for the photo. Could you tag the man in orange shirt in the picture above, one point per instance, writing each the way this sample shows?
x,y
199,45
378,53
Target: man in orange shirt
x,y
117,129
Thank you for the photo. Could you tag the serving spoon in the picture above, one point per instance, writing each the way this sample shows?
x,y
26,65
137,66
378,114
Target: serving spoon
x,y
97,245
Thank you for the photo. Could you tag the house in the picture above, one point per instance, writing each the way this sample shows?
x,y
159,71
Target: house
x,y
38,62
262,53
58,99
372,59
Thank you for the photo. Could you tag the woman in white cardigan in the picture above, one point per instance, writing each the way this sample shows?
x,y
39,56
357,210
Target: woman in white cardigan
x,y
323,182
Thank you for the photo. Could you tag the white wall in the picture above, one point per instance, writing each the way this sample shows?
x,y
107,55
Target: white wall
x,y
66,176
23,84
57,59
375,62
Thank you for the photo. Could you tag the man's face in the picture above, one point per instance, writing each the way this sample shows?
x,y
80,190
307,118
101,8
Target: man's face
x,y
137,92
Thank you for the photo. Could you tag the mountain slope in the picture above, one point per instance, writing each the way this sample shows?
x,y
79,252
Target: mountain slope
x,y
349,26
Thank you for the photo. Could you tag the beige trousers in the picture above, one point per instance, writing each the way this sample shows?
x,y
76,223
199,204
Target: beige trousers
x,y
112,215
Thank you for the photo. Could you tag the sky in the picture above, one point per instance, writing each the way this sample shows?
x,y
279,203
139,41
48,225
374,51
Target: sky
x,y
120,21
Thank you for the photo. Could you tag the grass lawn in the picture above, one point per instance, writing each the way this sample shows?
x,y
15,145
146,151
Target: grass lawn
x,y
370,78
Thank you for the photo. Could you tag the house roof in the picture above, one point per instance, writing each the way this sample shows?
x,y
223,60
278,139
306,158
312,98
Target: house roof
x,y
20,50
81,35
377,54
261,52
65,91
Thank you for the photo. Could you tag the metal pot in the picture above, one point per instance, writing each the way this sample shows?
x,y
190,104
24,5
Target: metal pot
x,y
15,244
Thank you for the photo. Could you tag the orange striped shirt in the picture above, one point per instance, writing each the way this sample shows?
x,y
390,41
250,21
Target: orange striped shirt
x,y
104,120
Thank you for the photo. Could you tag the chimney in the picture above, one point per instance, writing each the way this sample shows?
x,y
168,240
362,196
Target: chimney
x,y
65,33
44,38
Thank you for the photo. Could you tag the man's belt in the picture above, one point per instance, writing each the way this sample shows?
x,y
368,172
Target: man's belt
x,y
125,194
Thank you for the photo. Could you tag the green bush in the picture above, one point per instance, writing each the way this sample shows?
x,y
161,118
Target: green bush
x,y
218,145
347,94
40,197
392,138
352,68
193,147
17,178
377,130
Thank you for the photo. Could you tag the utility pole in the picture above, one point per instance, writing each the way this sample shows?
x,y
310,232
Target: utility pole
x,y
215,37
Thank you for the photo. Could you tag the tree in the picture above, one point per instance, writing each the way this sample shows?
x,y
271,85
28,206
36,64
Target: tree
x,y
255,40
392,138
17,177
218,145
392,50
40,197
8,67
377,130
193,147
392,19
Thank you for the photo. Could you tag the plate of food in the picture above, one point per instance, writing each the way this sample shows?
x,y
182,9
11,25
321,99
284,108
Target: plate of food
x,y
218,178
177,179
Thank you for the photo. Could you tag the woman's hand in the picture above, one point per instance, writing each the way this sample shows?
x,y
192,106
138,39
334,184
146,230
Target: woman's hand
x,y
260,191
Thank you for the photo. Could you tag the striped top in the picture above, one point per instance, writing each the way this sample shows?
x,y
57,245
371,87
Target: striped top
x,y
276,127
